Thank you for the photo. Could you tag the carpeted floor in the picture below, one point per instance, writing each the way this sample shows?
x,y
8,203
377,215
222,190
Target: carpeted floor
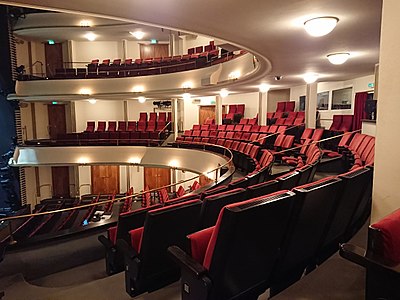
x,y
334,279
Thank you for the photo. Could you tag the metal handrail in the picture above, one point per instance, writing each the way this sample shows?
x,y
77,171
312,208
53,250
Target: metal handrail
x,y
317,142
226,150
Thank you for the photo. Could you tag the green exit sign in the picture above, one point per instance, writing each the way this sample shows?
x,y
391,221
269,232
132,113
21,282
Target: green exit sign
x,y
371,85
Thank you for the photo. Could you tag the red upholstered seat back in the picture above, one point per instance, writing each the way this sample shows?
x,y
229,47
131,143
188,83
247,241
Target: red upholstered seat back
x,y
389,228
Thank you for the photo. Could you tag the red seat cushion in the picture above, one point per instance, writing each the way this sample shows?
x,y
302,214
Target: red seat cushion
x,y
199,242
112,234
390,228
136,238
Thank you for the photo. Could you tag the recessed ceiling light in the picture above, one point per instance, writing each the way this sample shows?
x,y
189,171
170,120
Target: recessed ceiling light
x,y
263,87
338,58
138,89
223,93
137,34
310,77
90,36
85,23
234,75
142,99
187,85
320,26
85,91
92,101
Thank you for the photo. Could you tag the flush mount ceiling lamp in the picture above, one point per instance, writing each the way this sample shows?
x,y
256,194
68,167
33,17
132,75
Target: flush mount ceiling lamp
x,y
224,93
338,58
310,77
137,34
92,101
320,26
85,23
90,36
142,99
263,87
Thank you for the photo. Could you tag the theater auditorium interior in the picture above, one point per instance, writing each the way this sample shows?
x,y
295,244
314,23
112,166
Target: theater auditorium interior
x,y
204,150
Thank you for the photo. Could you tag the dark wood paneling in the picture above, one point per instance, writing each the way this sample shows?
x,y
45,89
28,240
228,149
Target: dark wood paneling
x,y
57,120
157,177
151,51
105,179
54,58
206,111
60,180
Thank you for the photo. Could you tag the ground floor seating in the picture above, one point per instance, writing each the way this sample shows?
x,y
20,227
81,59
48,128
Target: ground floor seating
x,y
232,259
148,266
381,258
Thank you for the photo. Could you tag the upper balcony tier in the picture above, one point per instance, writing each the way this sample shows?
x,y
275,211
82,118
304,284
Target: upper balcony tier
x,y
170,77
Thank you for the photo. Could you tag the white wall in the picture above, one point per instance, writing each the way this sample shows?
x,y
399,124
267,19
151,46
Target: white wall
x,y
249,99
191,110
358,84
135,108
132,49
195,41
100,111
37,54
84,52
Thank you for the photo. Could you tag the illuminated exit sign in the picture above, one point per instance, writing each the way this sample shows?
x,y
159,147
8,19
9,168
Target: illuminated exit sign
x,y
371,85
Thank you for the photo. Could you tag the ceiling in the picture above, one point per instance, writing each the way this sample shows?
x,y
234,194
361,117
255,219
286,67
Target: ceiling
x,y
60,27
270,29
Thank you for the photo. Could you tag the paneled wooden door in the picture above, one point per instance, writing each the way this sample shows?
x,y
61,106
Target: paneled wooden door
x,y
105,179
157,177
151,51
58,125
54,58
206,111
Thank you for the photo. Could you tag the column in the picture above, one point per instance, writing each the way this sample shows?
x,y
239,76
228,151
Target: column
x,y
175,116
262,108
218,110
311,105
385,198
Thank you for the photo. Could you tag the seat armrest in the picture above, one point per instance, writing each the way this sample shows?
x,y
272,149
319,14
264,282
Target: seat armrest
x,y
105,241
127,250
186,261
354,254
358,255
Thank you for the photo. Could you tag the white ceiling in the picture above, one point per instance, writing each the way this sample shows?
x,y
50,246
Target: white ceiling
x,y
271,29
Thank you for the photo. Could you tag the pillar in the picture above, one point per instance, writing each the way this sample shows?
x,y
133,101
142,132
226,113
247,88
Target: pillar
x,y
262,108
311,105
387,165
218,110
175,116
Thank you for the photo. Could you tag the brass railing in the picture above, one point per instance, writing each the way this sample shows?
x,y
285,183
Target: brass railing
x,y
229,162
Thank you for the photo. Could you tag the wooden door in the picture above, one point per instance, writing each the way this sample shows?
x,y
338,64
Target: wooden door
x,y
54,58
60,181
105,179
157,177
206,111
151,51
57,120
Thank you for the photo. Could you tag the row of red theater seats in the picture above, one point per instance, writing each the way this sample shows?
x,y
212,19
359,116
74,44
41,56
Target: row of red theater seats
x,y
236,109
154,123
289,121
342,123
327,227
238,127
111,138
290,115
285,106
139,67
199,49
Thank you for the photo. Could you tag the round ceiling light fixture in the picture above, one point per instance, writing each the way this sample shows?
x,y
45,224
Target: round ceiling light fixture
x,y
338,58
224,93
186,96
90,36
137,34
320,26
310,77
92,101
142,99
263,87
